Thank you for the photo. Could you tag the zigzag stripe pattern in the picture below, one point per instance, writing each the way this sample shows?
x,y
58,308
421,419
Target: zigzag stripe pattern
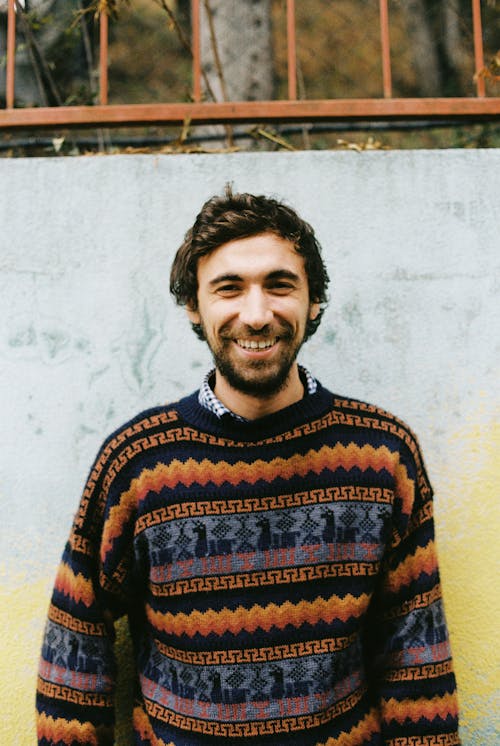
x,y
424,560
59,730
430,709
202,472
74,585
258,617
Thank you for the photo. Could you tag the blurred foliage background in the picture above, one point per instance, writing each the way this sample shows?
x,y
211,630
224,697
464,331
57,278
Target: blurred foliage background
x,y
338,56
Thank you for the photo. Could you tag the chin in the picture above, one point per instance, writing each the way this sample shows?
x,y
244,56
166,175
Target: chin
x,y
258,385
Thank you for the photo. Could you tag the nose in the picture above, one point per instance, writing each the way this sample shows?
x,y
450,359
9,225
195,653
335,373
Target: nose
x,y
255,310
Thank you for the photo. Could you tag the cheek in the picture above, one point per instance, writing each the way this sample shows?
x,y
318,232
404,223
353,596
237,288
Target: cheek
x,y
221,313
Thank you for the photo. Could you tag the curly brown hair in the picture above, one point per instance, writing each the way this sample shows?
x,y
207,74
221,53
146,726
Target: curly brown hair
x,y
233,216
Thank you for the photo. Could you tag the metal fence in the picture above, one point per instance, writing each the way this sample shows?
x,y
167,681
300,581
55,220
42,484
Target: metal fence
x,y
370,61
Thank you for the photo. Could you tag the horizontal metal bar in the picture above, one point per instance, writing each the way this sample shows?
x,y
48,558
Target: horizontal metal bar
x,y
250,112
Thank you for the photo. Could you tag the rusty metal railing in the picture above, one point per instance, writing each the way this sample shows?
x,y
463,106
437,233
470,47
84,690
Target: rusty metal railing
x,y
226,112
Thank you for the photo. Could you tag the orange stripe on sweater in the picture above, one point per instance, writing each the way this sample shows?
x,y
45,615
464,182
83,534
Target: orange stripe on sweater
x,y
191,472
423,561
258,617
437,707
76,586
59,730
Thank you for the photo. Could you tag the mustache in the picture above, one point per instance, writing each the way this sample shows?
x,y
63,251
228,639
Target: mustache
x,y
269,331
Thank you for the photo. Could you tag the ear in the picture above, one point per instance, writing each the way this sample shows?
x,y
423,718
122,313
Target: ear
x,y
314,309
193,315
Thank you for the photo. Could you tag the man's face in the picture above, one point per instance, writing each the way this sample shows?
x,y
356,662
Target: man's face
x,y
253,306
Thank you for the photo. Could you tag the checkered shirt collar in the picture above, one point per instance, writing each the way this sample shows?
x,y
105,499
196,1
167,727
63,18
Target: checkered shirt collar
x,y
207,398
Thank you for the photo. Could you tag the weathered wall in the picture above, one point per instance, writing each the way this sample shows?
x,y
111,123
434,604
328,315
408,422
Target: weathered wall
x,y
89,336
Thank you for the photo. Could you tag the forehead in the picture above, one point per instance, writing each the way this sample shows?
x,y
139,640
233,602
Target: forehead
x,y
252,257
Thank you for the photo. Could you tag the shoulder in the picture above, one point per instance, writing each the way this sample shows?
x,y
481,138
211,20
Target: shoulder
x,y
381,427
145,422
367,414
374,421
140,434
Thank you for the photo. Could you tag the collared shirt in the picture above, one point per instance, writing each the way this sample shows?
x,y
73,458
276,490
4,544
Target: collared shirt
x,y
207,398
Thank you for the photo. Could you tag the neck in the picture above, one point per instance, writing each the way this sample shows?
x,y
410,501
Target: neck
x,y
251,407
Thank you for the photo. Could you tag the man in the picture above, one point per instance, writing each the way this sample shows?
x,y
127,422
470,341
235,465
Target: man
x,y
272,543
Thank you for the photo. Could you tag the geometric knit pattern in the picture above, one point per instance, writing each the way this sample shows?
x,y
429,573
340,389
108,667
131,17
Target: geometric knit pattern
x,y
280,579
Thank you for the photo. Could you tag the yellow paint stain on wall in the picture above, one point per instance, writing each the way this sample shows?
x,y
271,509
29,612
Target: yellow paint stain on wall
x,y
23,610
468,529
23,607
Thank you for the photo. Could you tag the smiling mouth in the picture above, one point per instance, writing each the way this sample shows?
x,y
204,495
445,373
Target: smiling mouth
x,y
253,344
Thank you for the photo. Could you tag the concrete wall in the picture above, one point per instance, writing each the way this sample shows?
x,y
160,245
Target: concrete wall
x,y
89,336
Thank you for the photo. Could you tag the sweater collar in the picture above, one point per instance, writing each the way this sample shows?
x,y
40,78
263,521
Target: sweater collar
x,y
309,407
209,400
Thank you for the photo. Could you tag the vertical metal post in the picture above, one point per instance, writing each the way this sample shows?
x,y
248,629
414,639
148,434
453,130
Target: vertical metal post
x,y
103,57
386,48
291,50
478,46
11,54
195,45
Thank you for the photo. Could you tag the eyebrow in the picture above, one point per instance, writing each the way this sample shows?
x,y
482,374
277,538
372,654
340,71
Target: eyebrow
x,y
283,274
225,278
277,274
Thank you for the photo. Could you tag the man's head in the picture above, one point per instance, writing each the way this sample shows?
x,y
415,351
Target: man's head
x,y
253,282
236,216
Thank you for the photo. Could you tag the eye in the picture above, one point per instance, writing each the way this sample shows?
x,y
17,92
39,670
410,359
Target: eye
x,y
281,287
228,289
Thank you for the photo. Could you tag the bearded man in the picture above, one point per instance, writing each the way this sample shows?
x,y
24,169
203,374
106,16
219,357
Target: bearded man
x,y
271,542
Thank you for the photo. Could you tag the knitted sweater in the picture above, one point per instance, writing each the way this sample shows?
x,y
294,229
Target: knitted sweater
x,y
280,578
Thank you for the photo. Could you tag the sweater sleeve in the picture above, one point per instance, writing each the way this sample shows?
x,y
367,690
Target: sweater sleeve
x,y
409,658
92,589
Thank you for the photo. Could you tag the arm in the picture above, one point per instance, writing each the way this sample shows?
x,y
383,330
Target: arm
x,y
409,653
77,667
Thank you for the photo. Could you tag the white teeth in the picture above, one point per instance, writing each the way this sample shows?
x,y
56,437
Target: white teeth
x,y
252,344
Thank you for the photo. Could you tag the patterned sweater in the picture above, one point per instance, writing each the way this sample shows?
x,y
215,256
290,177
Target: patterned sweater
x,y
280,579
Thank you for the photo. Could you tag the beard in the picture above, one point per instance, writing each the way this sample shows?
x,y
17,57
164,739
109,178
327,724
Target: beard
x,y
259,378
